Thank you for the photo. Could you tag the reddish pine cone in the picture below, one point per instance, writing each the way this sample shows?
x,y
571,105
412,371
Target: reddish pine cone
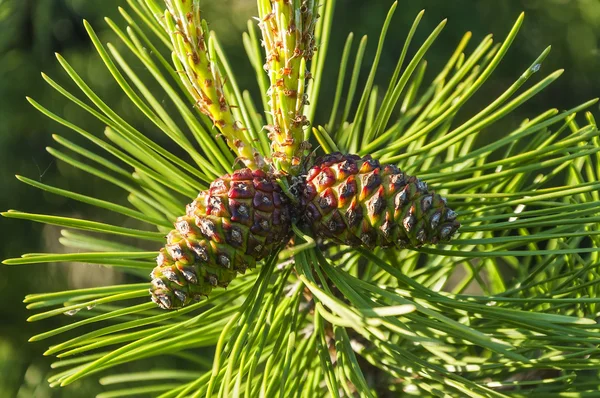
x,y
239,220
356,201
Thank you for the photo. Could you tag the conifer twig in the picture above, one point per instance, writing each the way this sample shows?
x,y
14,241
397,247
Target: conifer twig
x,y
287,28
201,76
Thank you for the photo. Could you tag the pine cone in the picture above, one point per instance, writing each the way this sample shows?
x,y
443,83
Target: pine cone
x,y
239,220
356,201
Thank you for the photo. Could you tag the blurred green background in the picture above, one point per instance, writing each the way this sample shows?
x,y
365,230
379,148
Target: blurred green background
x,y
31,31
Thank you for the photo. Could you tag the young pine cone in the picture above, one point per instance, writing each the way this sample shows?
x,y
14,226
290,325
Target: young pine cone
x,y
244,217
239,220
356,201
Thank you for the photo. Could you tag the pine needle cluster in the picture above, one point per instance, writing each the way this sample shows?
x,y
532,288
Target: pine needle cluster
x,y
509,307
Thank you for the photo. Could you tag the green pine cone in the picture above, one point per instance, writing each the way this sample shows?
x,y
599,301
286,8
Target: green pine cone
x,y
239,220
356,201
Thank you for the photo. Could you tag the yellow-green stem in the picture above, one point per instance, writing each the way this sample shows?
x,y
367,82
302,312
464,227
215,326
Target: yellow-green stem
x,y
288,35
201,76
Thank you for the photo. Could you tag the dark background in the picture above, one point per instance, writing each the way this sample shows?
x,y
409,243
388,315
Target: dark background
x,y
31,31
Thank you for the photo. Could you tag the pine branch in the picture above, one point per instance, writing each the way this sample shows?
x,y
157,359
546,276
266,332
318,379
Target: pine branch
x,y
508,308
